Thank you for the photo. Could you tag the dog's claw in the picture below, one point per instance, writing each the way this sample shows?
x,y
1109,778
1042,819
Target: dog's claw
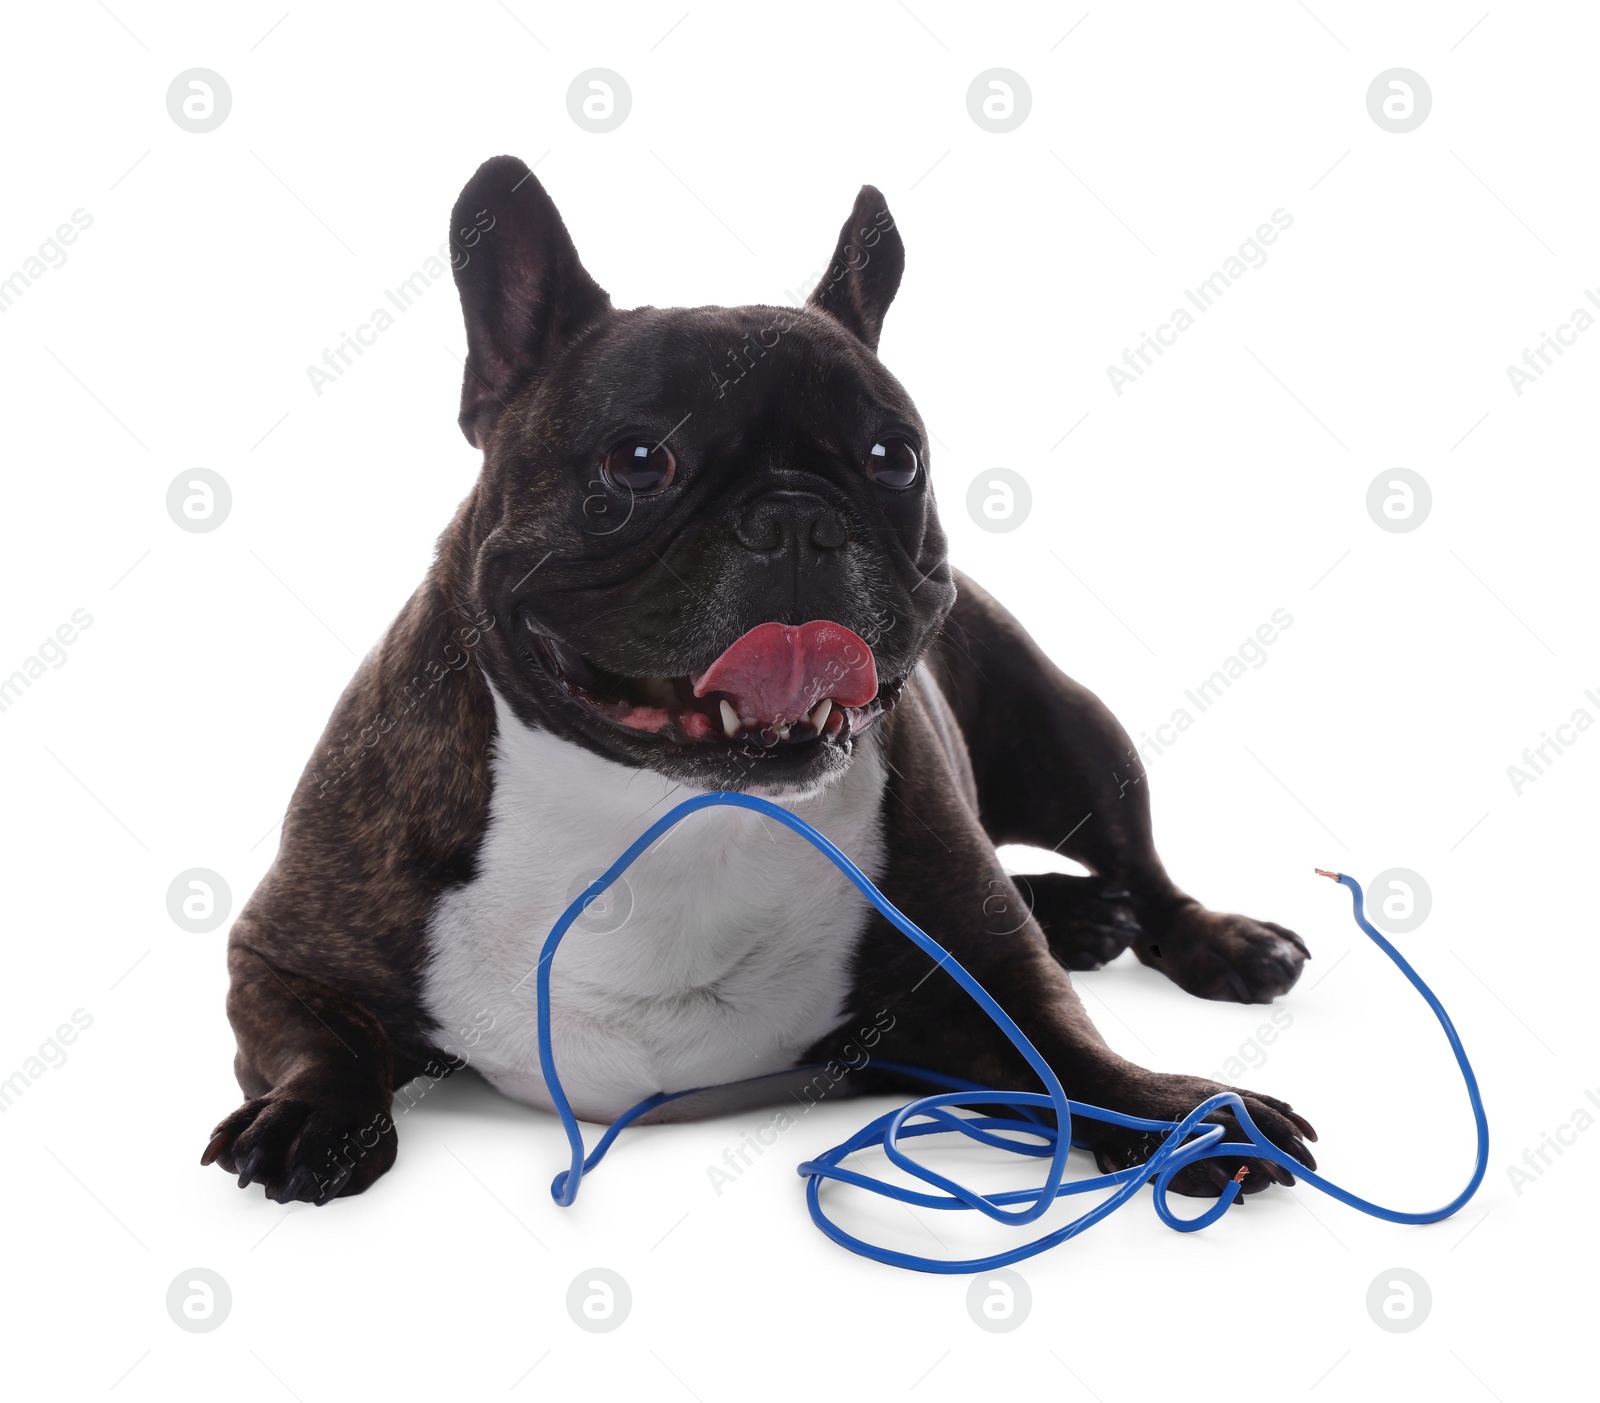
x,y
1301,1124
248,1166
215,1147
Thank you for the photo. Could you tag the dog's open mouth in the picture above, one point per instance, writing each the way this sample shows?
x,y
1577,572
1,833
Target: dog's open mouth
x,y
775,691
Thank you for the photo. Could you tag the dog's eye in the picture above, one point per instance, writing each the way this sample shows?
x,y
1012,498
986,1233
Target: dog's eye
x,y
640,466
893,462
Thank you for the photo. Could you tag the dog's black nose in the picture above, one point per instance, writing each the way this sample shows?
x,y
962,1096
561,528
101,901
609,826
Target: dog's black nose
x,y
797,523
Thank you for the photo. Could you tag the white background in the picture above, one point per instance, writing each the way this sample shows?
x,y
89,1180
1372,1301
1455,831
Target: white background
x,y
1229,482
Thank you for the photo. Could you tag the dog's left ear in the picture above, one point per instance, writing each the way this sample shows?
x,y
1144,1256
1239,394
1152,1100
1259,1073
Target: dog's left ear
x,y
524,294
865,270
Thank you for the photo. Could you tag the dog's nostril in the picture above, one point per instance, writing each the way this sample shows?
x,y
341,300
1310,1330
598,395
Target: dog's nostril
x,y
761,531
827,530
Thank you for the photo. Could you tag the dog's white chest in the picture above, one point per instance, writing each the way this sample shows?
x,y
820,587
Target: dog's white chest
x,y
727,953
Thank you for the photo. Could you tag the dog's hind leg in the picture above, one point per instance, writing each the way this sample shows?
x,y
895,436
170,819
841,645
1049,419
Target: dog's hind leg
x,y
1054,770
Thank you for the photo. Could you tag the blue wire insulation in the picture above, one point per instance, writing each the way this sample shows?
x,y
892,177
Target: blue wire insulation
x,y
1027,1132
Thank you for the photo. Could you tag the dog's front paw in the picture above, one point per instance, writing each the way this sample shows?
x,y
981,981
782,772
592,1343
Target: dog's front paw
x,y
1218,956
304,1148
1159,1097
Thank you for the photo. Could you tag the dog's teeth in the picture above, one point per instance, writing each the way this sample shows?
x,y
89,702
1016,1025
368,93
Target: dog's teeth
x,y
783,733
819,717
730,720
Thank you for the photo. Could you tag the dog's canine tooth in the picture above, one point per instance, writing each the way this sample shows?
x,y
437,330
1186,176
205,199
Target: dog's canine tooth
x,y
819,715
730,719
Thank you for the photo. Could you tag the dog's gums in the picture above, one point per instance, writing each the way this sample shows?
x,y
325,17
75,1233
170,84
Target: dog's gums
x,y
744,699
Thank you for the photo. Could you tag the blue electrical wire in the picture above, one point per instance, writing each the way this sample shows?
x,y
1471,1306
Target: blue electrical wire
x,y
935,1114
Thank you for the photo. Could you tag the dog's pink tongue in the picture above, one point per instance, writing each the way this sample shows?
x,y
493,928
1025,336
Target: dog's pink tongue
x,y
777,674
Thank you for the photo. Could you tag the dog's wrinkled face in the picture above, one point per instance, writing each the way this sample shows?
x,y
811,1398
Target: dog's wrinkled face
x,y
706,535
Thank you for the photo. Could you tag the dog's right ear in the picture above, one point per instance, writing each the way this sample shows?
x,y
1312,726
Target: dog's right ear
x,y
864,273
524,294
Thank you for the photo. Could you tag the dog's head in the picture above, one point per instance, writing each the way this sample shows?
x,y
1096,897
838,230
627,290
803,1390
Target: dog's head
x,y
706,534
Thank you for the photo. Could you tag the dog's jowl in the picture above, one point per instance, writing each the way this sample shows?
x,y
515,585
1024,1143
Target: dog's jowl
x,y
702,554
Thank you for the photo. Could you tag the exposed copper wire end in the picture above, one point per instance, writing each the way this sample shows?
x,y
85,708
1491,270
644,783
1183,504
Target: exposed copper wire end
x,y
1323,872
1243,1170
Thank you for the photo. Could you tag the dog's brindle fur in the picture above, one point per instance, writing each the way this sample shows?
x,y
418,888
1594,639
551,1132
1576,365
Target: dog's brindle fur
x,y
774,519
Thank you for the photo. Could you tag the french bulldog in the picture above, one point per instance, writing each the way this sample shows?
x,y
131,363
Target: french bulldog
x,y
702,554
